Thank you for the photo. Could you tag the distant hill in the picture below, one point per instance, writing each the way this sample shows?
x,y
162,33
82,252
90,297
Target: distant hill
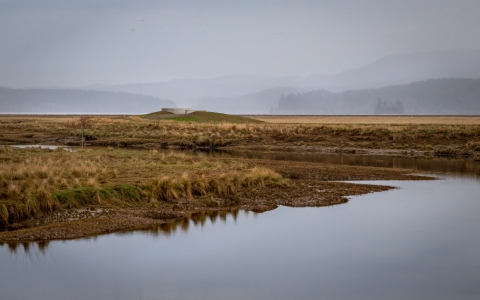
x,y
400,69
256,103
190,92
77,101
434,96
254,94
225,91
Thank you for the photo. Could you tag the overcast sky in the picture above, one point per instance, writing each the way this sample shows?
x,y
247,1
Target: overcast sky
x,y
78,42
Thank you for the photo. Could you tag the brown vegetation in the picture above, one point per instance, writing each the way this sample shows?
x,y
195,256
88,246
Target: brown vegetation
x,y
374,119
35,181
62,194
96,190
392,135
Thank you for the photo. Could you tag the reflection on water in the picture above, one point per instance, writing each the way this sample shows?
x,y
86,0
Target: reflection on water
x,y
165,229
14,247
198,219
420,241
435,165
419,164
417,242
51,147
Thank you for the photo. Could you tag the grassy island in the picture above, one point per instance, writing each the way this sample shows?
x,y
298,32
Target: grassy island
x,y
129,174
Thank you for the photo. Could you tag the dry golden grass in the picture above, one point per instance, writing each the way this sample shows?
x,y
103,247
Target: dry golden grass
x,y
365,132
445,120
41,180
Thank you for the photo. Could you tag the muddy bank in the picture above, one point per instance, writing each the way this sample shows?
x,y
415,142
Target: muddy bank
x,y
438,138
436,152
310,185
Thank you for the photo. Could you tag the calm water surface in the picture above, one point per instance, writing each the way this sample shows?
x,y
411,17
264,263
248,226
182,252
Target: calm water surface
x,y
420,241
470,167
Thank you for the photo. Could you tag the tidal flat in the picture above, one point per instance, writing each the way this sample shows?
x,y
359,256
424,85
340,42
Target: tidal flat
x,y
441,136
129,174
56,194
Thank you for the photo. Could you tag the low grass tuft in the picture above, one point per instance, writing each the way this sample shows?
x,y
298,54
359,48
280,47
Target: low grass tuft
x,y
33,181
46,201
475,146
164,189
125,191
4,215
85,196
168,189
186,185
76,198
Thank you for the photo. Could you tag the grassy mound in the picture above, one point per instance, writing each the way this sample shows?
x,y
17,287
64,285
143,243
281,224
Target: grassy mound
x,y
201,117
158,115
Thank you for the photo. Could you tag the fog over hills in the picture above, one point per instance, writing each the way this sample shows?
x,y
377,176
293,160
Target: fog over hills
x,y
228,93
401,69
227,55
261,103
59,101
455,96
189,92
245,94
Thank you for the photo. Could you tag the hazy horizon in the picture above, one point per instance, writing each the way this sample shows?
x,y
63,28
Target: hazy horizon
x,y
78,43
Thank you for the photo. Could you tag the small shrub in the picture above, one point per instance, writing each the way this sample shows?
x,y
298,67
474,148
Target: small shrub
x,y
475,146
128,192
200,186
4,215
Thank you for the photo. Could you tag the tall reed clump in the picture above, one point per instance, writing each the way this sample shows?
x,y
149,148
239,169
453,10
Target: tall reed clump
x,y
120,195
5,149
168,189
27,181
28,205
4,215
262,177
475,146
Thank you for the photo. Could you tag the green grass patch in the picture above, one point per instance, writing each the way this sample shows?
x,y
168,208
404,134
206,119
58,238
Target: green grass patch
x,y
120,195
157,115
206,117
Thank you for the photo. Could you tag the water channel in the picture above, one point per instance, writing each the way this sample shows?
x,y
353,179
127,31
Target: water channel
x,y
419,241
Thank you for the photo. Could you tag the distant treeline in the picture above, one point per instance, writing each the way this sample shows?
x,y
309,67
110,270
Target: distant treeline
x,y
435,96
256,103
77,101
384,107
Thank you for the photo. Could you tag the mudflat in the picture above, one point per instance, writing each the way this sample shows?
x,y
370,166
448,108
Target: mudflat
x,y
373,119
442,137
124,177
55,194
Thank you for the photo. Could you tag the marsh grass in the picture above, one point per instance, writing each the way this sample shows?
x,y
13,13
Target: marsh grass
x,y
364,132
35,181
120,196
378,119
474,145
39,180
168,189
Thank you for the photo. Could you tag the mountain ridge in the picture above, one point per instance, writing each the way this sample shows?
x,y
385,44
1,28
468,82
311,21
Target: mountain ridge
x,y
433,96
389,70
77,101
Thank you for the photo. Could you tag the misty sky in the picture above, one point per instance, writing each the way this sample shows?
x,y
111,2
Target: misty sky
x,y
79,42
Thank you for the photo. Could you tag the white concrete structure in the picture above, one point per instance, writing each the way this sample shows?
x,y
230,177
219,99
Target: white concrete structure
x,y
189,111
180,111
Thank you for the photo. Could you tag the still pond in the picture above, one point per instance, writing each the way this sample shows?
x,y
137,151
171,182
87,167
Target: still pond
x,y
420,241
